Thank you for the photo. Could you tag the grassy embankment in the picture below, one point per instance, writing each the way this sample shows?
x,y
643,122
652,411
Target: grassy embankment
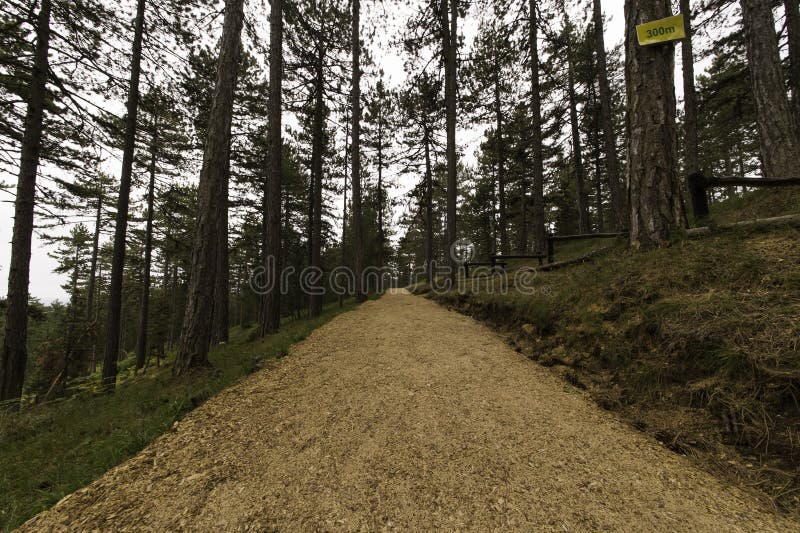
x,y
697,343
50,450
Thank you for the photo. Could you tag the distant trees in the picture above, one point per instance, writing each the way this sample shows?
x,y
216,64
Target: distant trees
x,y
555,113
618,204
780,144
489,75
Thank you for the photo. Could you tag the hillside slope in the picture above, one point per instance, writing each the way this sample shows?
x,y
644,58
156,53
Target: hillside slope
x,y
697,343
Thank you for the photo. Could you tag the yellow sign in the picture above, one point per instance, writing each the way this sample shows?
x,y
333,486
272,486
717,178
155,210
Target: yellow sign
x,y
661,31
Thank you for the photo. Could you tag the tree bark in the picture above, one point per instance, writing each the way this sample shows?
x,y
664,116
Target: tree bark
x,y
449,46
501,164
358,245
780,145
15,350
221,323
344,200
271,311
144,310
197,321
537,192
91,287
689,96
618,206
315,300
580,173
792,8
653,185
428,207
112,349
594,139
381,231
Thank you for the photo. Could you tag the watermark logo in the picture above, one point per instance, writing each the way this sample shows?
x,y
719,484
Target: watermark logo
x,y
462,251
341,281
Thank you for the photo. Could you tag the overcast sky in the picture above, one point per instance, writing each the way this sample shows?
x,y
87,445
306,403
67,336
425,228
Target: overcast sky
x,y
45,284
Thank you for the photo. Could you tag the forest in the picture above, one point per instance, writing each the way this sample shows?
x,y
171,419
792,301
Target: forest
x,y
155,260
195,168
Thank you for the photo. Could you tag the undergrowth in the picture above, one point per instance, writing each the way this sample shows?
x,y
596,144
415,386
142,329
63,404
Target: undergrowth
x,y
50,450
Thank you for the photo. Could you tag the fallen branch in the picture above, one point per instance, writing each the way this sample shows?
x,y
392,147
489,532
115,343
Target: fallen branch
x,y
785,220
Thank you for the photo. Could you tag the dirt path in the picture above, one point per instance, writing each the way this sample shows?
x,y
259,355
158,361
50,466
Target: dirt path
x,y
402,415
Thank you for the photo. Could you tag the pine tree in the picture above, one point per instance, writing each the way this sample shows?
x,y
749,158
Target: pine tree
x,y
114,318
15,352
653,185
271,308
196,330
618,204
780,143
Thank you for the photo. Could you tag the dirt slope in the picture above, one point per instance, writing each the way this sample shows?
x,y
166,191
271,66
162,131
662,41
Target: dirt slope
x,y
404,415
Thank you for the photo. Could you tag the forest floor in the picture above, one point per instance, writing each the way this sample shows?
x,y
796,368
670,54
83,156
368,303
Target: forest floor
x,y
404,415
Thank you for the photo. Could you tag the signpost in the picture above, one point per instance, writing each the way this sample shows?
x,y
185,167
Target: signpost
x,y
661,31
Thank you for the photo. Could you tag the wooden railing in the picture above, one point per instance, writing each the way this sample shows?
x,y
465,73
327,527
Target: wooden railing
x,y
699,184
500,260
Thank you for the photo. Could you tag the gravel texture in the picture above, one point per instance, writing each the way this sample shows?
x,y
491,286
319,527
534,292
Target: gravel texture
x,y
403,415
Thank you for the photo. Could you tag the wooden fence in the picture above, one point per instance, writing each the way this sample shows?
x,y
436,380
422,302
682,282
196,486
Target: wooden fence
x,y
699,184
499,260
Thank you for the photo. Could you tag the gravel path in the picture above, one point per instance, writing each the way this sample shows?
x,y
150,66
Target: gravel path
x,y
403,415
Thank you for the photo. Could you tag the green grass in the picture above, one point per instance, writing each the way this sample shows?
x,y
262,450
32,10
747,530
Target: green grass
x,y
50,450
758,203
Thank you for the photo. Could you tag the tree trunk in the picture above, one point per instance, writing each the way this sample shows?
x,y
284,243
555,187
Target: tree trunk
x,y
428,207
358,245
15,350
537,207
780,145
689,96
91,287
654,188
144,311
114,318
501,164
221,320
618,204
580,175
594,138
173,309
792,8
271,310
344,200
344,195
381,231
315,300
196,330
450,44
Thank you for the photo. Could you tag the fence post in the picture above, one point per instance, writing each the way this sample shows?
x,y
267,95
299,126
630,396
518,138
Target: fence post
x,y
550,248
697,191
